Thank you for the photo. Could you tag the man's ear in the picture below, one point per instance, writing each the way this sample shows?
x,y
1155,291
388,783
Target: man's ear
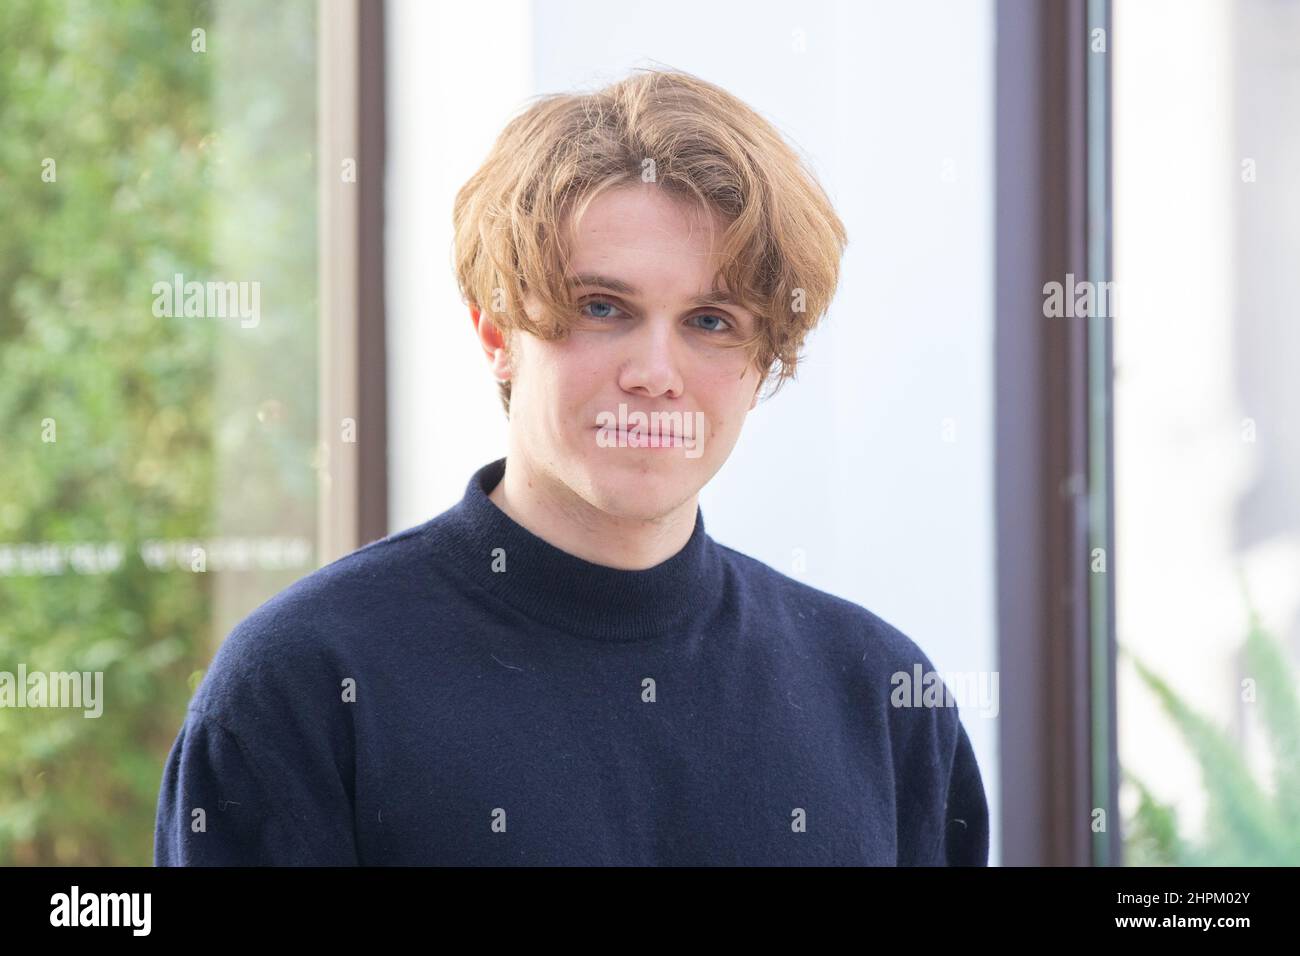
x,y
493,342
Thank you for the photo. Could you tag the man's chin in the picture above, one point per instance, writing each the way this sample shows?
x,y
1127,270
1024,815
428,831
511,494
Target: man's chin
x,y
644,494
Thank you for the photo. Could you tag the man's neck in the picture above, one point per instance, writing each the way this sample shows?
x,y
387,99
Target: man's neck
x,y
563,520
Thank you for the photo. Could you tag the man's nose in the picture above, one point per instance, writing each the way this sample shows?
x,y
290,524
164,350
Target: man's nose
x,y
653,366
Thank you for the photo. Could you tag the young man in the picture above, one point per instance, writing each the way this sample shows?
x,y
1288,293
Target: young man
x,y
564,668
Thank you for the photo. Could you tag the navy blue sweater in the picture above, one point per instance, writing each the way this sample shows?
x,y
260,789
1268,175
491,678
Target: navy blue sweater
x,y
464,693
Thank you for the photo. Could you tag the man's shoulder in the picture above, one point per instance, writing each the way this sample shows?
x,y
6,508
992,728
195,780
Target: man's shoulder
x,y
304,637
881,647
349,586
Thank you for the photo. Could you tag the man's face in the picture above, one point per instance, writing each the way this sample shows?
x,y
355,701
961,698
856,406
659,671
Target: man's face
x,y
646,344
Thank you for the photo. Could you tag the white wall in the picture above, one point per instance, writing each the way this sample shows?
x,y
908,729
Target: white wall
x,y
849,463
456,72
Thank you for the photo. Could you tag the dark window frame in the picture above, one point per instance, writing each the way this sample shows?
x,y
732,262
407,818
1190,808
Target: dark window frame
x,y
1054,441
353,496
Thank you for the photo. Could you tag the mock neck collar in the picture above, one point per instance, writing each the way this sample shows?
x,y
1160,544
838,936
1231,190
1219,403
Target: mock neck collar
x,y
565,592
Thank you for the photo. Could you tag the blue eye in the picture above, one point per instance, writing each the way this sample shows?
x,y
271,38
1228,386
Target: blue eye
x,y
722,326
722,323
600,302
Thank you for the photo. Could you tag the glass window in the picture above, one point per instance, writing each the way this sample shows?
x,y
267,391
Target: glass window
x,y
158,381
1207,236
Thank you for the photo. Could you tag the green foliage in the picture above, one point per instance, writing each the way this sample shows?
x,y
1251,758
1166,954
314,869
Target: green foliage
x,y
165,161
1247,822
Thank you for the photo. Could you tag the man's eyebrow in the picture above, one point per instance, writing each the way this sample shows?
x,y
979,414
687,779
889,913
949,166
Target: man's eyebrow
x,y
716,297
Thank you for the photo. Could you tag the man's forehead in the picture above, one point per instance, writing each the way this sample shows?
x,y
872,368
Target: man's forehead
x,y
631,288
645,217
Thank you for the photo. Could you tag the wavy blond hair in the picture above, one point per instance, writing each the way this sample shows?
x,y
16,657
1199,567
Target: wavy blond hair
x,y
513,219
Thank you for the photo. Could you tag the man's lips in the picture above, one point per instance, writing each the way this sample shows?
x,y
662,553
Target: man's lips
x,y
643,438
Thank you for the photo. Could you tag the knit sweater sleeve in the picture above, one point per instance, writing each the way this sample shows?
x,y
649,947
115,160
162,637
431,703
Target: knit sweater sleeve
x,y
963,833
215,807
262,769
